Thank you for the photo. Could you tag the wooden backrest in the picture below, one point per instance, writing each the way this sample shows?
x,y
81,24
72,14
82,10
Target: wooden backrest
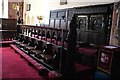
x,y
83,36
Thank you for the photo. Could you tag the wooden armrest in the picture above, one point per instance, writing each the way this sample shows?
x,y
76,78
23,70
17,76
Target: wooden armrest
x,y
37,51
19,42
23,45
93,46
46,57
29,47
82,44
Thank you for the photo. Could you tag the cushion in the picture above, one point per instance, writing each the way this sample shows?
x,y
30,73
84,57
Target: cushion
x,y
54,41
82,67
65,44
59,43
46,57
88,51
48,39
39,37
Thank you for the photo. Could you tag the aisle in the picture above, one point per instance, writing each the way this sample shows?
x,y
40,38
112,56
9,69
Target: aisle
x,y
14,67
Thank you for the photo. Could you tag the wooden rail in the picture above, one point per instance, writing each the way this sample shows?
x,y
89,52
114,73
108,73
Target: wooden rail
x,y
45,33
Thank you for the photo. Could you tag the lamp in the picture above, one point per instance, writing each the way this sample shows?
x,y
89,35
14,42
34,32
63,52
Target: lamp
x,y
40,18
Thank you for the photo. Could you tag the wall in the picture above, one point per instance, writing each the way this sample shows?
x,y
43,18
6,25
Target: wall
x,y
38,8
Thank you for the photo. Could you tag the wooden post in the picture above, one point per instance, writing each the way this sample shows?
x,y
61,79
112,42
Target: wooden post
x,y
70,55
114,28
61,53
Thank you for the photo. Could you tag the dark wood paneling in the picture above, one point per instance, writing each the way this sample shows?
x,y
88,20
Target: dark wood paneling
x,y
57,15
52,23
119,26
70,13
97,23
82,21
92,20
94,9
63,24
82,36
9,24
53,14
57,23
61,14
119,32
7,35
119,37
68,24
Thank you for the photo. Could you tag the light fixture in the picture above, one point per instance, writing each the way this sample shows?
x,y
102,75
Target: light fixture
x,y
40,18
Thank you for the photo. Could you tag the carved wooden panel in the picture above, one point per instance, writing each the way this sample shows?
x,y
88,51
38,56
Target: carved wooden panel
x,y
119,31
93,38
96,23
53,14
51,23
9,24
92,9
68,24
63,24
119,37
78,36
57,23
83,36
82,22
92,20
70,14
114,28
61,14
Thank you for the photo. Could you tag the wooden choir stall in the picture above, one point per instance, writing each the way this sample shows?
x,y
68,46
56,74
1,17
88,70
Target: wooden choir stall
x,y
69,48
7,30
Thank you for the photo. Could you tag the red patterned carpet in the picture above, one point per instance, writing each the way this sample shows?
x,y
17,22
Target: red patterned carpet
x,y
14,67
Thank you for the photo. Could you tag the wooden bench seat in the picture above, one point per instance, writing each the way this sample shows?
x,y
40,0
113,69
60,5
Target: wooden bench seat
x,y
23,45
46,57
82,67
29,47
36,51
88,51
